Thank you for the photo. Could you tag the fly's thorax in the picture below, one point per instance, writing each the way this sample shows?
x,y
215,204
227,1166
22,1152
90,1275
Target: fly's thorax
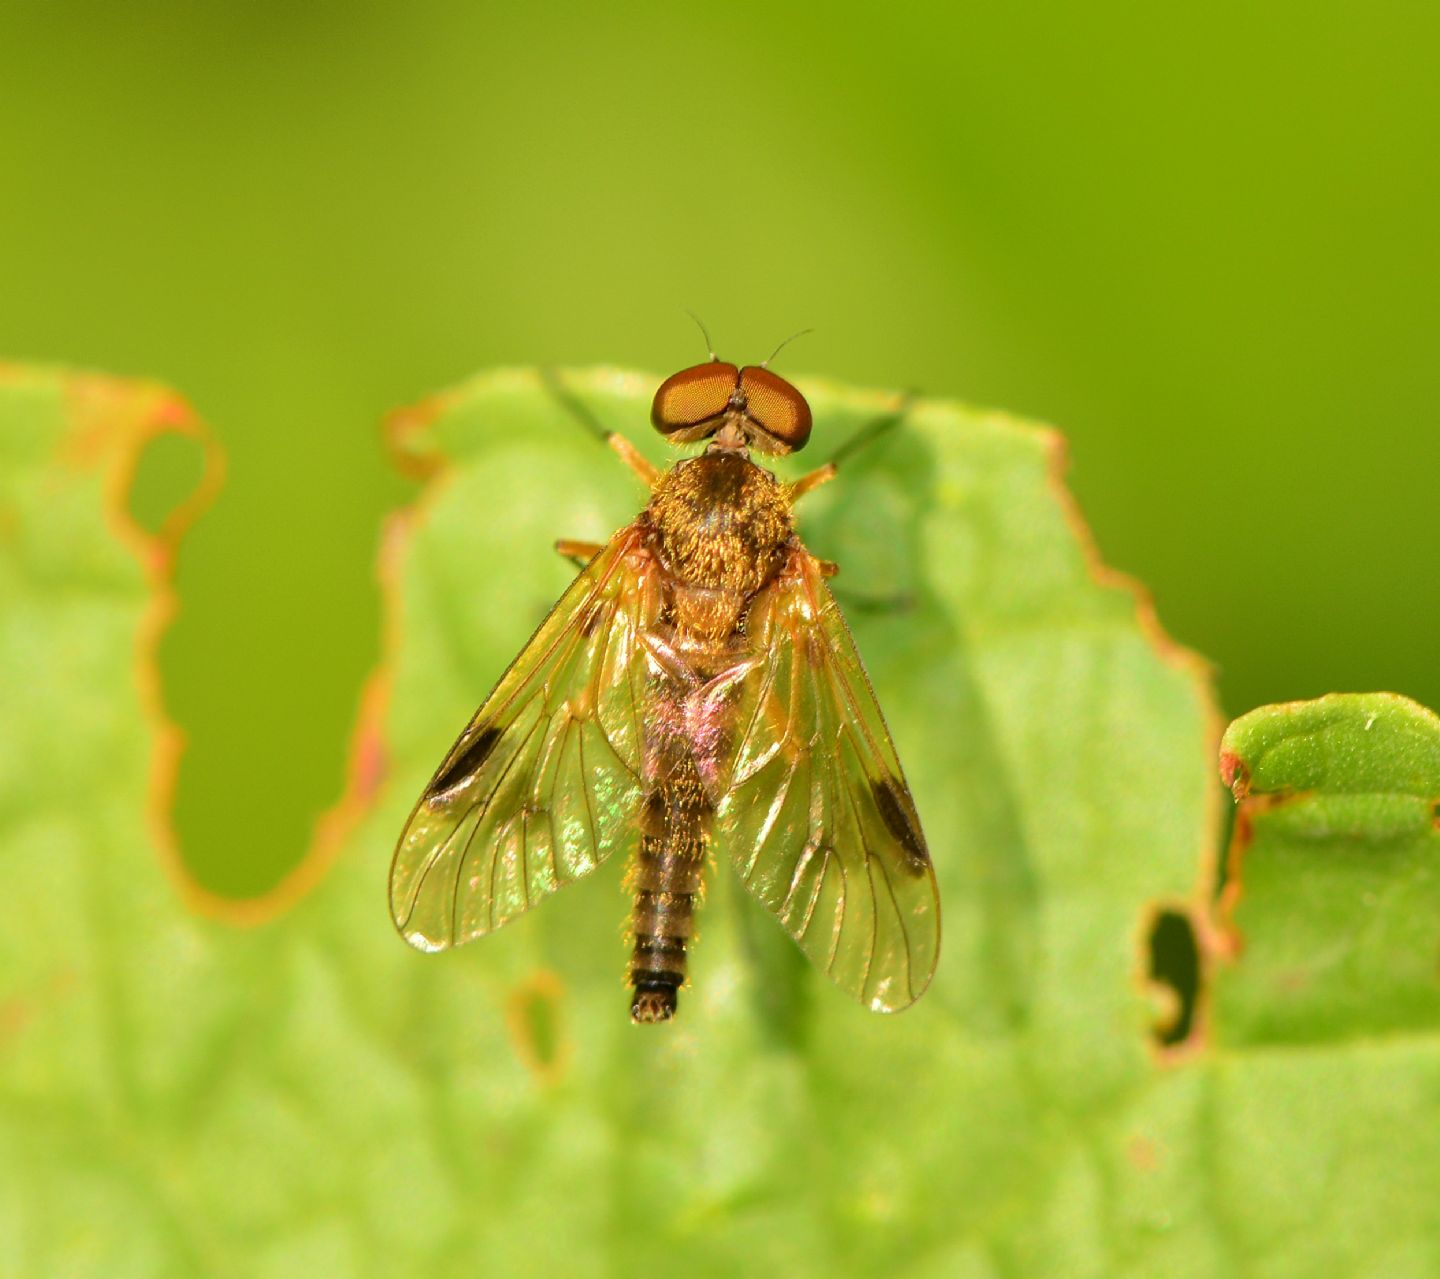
x,y
721,526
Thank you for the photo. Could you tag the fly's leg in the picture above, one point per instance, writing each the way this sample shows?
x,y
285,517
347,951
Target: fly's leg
x,y
863,438
581,552
863,602
585,416
633,458
875,429
806,483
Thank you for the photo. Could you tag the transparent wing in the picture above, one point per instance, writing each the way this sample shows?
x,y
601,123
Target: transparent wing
x,y
815,810
542,785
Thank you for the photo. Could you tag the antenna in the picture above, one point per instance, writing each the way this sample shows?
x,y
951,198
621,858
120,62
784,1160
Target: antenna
x,y
709,345
765,363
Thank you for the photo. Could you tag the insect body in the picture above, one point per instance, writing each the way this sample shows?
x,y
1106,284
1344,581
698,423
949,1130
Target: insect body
x,y
696,687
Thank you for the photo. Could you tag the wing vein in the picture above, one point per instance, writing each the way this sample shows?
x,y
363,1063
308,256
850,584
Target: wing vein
x,y
870,879
430,863
483,811
589,805
808,833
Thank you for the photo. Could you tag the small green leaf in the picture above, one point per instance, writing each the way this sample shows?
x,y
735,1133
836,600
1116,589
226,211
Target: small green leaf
x,y
1322,1156
1336,871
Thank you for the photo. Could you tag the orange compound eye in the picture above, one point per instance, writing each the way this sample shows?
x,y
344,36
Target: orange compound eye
x,y
777,408
690,403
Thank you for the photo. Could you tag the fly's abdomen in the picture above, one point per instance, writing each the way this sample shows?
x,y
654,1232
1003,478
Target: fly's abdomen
x,y
667,880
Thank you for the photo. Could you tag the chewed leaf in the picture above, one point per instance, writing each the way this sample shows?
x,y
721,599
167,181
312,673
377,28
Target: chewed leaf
x,y
311,1096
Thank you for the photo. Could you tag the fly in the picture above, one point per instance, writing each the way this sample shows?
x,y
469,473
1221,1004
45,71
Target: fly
x,y
696,687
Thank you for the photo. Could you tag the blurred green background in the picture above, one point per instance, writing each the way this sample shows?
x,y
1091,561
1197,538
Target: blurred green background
x,y
1202,241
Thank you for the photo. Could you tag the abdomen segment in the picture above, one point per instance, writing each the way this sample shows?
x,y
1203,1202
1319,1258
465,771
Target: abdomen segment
x,y
667,880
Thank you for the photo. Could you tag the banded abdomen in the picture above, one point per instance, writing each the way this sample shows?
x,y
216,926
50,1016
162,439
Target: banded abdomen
x,y
667,879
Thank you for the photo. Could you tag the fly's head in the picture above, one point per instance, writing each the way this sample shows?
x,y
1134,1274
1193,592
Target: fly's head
x,y
736,409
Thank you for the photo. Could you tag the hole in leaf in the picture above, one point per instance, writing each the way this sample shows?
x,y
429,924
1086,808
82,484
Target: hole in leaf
x,y
168,471
1175,964
535,1023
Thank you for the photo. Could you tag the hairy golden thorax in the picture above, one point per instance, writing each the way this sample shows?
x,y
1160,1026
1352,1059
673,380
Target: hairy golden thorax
x,y
720,526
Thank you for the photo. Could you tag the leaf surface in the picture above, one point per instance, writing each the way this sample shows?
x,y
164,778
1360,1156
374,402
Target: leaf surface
x,y
308,1095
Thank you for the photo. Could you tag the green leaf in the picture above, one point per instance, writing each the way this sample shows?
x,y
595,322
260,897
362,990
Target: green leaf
x,y
1337,871
1326,1064
307,1095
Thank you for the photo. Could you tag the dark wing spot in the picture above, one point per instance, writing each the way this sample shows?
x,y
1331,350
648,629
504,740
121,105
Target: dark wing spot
x,y
900,824
465,764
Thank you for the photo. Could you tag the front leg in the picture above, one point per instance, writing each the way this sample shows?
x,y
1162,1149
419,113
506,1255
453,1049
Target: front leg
x,y
806,483
585,417
633,458
863,438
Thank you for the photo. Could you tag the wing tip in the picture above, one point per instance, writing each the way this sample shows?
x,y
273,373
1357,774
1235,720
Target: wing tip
x,y
420,941
402,916
894,1002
